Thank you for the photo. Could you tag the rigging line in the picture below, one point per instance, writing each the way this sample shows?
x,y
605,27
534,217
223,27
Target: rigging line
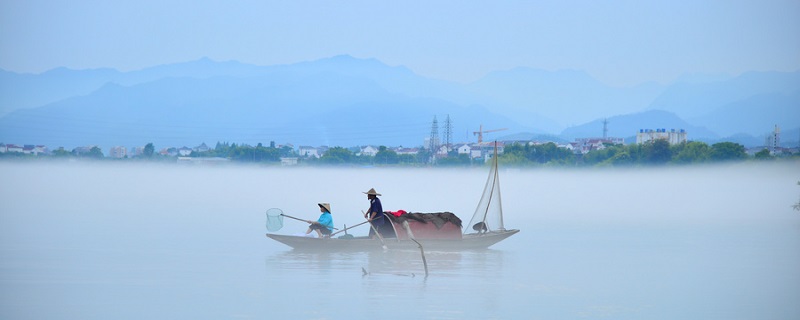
x,y
495,177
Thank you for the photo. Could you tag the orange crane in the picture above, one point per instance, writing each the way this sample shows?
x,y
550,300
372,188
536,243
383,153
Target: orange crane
x,y
480,133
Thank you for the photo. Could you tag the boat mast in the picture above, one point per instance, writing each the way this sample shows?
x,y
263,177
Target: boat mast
x,y
497,184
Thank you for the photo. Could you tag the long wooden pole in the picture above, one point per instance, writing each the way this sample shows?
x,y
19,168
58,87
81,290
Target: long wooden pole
x,y
351,227
383,244
421,250
306,221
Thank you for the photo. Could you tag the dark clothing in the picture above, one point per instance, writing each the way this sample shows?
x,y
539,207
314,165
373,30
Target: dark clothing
x,y
323,229
375,206
379,221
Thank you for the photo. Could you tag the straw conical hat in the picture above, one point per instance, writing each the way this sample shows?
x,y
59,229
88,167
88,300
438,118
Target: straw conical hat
x,y
372,191
325,205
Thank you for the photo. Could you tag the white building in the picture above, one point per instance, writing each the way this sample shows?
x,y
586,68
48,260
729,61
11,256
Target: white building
x,y
13,148
672,136
201,148
137,151
184,151
442,151
307,151
288,161
401,151
369,151
117,152
464,149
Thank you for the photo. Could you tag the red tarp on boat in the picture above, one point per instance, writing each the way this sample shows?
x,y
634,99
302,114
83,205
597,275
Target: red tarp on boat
x,y
438,225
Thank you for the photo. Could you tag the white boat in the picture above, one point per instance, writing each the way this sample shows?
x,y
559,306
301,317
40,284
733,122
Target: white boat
x,y
440,231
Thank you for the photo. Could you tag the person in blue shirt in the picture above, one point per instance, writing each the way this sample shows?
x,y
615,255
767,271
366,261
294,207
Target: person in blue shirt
x,y
323,225
375,213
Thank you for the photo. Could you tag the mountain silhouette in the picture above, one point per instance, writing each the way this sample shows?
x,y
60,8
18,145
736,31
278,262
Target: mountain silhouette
x,y
343,100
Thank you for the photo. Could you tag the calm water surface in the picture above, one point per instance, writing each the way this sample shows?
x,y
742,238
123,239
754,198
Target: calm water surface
x,y
83,241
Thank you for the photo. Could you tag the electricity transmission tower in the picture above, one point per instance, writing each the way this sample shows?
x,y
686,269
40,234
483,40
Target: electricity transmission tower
x,y
433,144
448,133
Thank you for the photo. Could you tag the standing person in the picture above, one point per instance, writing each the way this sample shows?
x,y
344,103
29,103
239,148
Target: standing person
x,y
323,225
375,212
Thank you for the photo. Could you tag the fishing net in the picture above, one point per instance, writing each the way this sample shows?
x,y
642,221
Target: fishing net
x,y
274,219
489,213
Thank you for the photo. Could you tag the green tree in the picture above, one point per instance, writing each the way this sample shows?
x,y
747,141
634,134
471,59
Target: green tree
x,y
764,155
95,152
386,156
599,156
336,155
691,152
423,156
61,153
658,152
456,160
726,151
543,153
149,150
512,158
622,158
407,159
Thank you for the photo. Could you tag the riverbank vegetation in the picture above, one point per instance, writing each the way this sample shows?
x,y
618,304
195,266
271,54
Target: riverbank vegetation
x,y
657,153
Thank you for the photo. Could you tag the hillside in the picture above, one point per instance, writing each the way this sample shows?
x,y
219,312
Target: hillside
x,y
348,101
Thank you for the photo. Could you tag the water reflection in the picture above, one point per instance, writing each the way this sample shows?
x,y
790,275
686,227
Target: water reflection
x,y
392,262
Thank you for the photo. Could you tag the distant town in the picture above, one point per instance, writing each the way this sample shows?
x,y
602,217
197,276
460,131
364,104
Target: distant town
x,y
652,147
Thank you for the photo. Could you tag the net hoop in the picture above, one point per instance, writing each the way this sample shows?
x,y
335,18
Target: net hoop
x,y
274,219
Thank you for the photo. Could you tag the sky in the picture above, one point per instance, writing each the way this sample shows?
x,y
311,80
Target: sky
x,y
618,42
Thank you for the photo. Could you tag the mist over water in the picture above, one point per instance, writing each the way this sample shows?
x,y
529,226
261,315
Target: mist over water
x,y
135,241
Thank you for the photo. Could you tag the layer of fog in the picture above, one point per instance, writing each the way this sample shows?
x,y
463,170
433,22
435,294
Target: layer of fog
x,y
152,196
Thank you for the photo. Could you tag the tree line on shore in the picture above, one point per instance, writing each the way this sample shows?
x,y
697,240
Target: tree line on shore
x,y
658,152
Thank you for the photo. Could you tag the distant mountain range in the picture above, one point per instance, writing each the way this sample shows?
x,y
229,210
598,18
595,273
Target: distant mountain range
x,y
347,101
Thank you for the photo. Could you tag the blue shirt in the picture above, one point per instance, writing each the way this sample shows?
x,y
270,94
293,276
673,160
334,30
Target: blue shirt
x,y
326,220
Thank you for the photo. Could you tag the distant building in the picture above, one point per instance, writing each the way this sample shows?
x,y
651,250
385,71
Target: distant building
x,y
477,150
486,149
369,151
32,149
289,161
137,151
13,148
585,145
442,151
117,152
774,140
411,151
201,148
171,151
83,150
184,151
672,136
203,160
308,151
464,149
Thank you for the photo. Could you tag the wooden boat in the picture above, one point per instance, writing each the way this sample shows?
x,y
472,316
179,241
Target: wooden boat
x,y
441,231
468,242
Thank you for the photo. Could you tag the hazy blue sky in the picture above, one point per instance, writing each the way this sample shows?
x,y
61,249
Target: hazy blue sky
x,y
619,42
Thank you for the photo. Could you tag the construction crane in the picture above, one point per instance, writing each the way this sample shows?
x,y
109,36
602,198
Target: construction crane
x,y
480,133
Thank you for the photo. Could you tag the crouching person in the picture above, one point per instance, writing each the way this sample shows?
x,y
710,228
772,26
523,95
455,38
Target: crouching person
x,y
324,225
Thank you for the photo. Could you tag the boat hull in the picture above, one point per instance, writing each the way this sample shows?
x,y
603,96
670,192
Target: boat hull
x,y
467,242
